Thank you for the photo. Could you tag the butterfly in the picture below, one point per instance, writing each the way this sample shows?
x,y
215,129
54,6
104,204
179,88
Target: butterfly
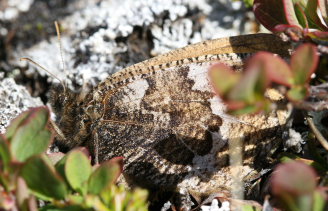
x,y
164,118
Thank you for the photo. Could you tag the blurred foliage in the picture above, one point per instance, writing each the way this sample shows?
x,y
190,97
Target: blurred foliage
x,y
298,183
66,182
295,185
298,18
244,92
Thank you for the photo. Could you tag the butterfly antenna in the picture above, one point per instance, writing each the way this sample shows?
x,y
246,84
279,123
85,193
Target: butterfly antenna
x,y
43,68
61,52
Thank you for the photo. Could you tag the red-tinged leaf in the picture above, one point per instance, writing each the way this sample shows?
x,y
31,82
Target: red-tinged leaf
x,y
223,78
303,63
85,151
290,13
294,32
22,193
276,68
270,13
323,6
253,83
248,94
293,178
31,136
105,175
235,105
15,123
312,15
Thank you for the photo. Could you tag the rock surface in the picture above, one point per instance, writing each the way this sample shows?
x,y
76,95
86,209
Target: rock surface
x,y
14,100
99,38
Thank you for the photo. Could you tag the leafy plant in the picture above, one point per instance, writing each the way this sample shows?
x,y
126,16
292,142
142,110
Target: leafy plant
x,y
67,182
243,92
26,137
295,184
294,17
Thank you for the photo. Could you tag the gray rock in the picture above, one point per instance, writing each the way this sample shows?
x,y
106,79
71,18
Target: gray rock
x,y
14,100
104,37
13,8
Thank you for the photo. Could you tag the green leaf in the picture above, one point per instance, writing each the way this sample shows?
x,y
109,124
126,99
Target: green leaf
x,y
303,63
15,123
105,175
55,157
304,202
244,93
252,85
300,14
223,78
319,201
297,93
60,167
248,3
96,203
312,15
276,68
319,167
42,179
249,207
5,156
119,198
75,199
31,136
138,200
52,207
77,170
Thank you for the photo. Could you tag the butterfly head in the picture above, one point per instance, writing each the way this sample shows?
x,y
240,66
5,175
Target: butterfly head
x,y
68,108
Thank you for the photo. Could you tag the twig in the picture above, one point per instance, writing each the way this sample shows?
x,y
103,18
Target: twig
x,y
317,133
312,106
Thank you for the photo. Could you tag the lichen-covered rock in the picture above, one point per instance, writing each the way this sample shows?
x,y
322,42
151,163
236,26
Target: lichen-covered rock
x,y
14,100
103,37
10,9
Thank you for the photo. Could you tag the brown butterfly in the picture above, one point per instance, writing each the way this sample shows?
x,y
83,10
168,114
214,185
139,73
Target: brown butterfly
x,y
163,117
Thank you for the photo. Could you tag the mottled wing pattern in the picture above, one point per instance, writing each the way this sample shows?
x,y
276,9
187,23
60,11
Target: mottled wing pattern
x,y
162,116
160,123
169,126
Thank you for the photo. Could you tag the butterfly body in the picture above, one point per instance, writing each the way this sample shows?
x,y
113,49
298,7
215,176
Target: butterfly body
x,y
164,118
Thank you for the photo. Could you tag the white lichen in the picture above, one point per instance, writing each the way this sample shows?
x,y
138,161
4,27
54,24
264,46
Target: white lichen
x,y
14,100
